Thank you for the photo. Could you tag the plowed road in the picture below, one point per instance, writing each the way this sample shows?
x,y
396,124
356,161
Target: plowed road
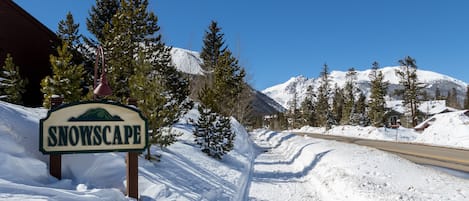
x,y
457,159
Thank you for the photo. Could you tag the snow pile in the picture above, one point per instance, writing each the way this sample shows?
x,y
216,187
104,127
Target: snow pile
x,y
303,168
400,134
447,129
184,173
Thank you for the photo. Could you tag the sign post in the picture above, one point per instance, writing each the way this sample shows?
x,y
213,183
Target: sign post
x,y
92,127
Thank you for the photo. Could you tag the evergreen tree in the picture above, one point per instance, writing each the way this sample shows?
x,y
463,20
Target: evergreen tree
x,y
214,47
213,133
66,79
68,32
438,95
349,96
360,116
228,83
412,88
452,98
294,112
308,109
377,102
134,29
466,100
325,117
338,103
225,77
100,16
12,86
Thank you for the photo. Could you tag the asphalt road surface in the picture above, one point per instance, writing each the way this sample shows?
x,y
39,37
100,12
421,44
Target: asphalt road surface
x,y
457,159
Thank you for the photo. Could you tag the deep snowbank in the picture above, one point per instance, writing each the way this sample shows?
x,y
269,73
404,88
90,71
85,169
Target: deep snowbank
x,y
448,129
184,173
303,168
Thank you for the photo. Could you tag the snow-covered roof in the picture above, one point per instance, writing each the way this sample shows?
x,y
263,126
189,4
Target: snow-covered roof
x,y
427,107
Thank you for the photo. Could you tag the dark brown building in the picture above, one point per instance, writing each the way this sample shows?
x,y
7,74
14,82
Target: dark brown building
x,y
30,43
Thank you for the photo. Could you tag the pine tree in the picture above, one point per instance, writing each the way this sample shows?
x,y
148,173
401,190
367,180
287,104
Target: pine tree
x,y
68,32
349,96
213,133
66,79
100,15
294,112
338,103
377,102
325,117
12,86
214,47
134,29
308,109
412,88
228,83
360,117
225,77
466,100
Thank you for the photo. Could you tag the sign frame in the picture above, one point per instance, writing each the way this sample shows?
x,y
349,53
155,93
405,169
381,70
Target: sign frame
x,y
144,131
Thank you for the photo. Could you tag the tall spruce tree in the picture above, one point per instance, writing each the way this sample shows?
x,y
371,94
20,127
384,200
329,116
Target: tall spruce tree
x,y
66,79
308,108
294,112
377,101
349,96
228,83
412,88
213,48
134,29
100,15
466,100
12,85
225,77
68,32
325,117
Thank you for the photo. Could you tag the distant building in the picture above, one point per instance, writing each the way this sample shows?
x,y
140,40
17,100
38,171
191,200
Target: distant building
x,y
396,111
30,43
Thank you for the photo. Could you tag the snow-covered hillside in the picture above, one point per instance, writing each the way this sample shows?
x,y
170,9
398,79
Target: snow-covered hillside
x,y
187,61
283,93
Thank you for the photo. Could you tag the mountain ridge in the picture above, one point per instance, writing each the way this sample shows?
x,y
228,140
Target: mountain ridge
x,y
283,92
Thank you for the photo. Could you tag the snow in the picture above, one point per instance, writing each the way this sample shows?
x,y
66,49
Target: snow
x,y
184,172
283,93
187,61
449,129
291,167
264,165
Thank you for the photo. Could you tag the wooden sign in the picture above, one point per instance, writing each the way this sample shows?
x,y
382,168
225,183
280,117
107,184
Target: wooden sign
x,y
93,127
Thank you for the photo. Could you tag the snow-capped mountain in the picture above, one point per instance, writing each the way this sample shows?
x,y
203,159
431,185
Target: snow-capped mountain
x,y
189,62
283,93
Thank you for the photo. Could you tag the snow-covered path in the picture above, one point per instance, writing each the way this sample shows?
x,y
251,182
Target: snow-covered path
x,y
269,176
290,167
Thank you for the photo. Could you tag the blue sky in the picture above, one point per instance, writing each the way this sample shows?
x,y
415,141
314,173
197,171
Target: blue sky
x,y
278,39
